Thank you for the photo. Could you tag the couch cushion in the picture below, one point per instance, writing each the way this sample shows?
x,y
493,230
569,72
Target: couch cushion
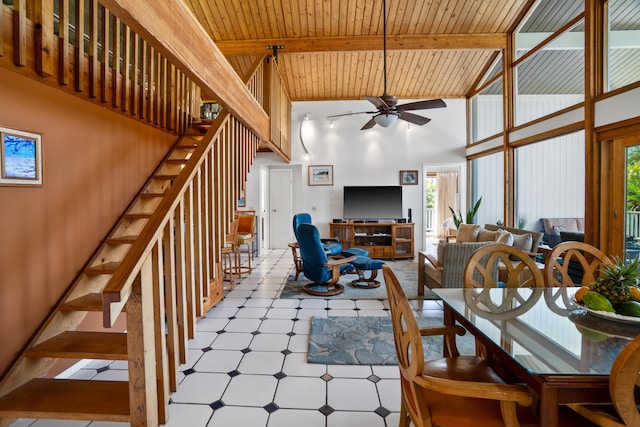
x,y
523,242
467,233
569,224
485,235
504,237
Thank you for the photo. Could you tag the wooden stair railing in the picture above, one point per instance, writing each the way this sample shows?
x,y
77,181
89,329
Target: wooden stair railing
x,y
160,264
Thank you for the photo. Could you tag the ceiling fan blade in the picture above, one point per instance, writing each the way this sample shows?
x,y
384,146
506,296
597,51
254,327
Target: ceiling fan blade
x,y
413,118
371,123
378,102
352,114
422,105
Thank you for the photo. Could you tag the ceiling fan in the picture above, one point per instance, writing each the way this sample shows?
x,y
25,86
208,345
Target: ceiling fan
x,y
388,110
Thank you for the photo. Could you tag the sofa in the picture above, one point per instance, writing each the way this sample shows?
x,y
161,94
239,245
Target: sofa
x,y
554,228
446,268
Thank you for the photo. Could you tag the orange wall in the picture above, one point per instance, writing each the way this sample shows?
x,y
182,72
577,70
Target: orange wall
x,y
94,162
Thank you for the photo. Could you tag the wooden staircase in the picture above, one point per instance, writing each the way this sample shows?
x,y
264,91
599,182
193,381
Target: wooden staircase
x,y
158,266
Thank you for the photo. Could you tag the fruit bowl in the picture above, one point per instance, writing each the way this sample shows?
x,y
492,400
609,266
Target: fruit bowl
x,y
586,323
607,315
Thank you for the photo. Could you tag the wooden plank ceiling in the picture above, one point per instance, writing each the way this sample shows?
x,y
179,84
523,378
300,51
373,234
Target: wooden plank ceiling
x,y
333,48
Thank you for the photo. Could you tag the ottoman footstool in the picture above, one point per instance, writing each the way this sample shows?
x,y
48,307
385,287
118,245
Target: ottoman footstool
x,y
363,264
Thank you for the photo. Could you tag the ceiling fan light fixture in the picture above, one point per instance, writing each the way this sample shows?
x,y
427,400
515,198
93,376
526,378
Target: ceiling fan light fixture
x,y
385,120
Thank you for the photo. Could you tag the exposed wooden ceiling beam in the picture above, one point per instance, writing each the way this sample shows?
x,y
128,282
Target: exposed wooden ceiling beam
x,y
175,32
344,43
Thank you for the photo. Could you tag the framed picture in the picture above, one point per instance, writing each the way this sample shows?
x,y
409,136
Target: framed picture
x,y
241,202
321,175
20,158
408,177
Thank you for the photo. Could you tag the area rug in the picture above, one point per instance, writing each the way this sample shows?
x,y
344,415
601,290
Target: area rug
x,y
406,272
369,341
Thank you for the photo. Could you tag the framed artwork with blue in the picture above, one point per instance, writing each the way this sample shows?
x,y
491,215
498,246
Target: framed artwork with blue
x,y
20,158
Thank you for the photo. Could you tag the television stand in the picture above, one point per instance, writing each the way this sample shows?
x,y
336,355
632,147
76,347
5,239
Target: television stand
x,y
382,240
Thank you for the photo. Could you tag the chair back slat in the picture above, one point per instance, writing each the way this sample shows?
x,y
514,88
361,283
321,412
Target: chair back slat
x,y
574,264
517,268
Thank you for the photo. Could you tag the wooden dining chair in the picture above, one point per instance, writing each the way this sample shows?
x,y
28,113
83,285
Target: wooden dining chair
x,y
452,391
502,266
624,385
574,263
245,236
230,260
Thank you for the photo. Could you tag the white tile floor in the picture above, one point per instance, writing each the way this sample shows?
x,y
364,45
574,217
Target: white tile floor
x,y
247,364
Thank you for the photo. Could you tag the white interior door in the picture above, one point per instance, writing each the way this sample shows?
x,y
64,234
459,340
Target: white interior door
x,y
280,208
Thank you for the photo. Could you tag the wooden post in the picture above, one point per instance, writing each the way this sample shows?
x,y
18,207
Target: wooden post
x,y
115,68
63,43
169,258
104,63
79,56
20,32
162,367
143,399
93,49
44,38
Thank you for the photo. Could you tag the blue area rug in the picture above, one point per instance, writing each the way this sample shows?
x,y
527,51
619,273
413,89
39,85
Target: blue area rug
x,y
406,271
369,341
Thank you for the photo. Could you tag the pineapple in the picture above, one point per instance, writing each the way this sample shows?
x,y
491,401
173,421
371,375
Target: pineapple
x,y
614,280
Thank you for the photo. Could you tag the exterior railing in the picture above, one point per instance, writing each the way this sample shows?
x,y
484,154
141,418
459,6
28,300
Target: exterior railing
x,y
430,225
632,226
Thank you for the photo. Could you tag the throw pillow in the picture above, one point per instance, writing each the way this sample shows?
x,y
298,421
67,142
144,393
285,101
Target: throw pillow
x,y
485,235
523,242
467,233
504,237
557,229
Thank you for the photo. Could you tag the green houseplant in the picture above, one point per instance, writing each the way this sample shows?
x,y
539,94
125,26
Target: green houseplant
x,y
471,213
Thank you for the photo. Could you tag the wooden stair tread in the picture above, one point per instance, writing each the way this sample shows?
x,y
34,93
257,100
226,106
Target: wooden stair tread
x,y
150,195
68,399
176,161
137,215
106,268
165,177
83,345
89,302
121,239
193,145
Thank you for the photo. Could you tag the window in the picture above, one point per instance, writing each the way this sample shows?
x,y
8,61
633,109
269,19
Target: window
x,y
623,50
550,179
487,181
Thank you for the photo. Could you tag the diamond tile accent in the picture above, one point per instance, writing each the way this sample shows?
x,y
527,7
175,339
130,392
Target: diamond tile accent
x,y
217,405
291,334
102,369
280,375
246,350
271,408
286,352
382,411
234,373
189,371
254,333
374,378
327,377
326,410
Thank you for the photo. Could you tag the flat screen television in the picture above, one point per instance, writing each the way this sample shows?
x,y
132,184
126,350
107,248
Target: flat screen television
x,y
372,202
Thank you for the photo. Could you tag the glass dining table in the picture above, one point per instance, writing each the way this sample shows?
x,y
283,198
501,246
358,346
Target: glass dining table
x,y
541,337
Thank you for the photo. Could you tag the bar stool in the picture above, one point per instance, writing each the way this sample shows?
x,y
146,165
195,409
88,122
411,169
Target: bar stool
x,y
229,257
244,237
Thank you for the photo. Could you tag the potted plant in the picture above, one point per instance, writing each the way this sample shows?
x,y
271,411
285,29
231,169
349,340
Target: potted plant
x,y
471,213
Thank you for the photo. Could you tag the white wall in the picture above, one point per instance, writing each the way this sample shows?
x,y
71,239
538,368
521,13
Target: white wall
x,y
371,157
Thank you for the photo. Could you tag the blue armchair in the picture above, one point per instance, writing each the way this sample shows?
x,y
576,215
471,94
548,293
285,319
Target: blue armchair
x,y
331,246
317,266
